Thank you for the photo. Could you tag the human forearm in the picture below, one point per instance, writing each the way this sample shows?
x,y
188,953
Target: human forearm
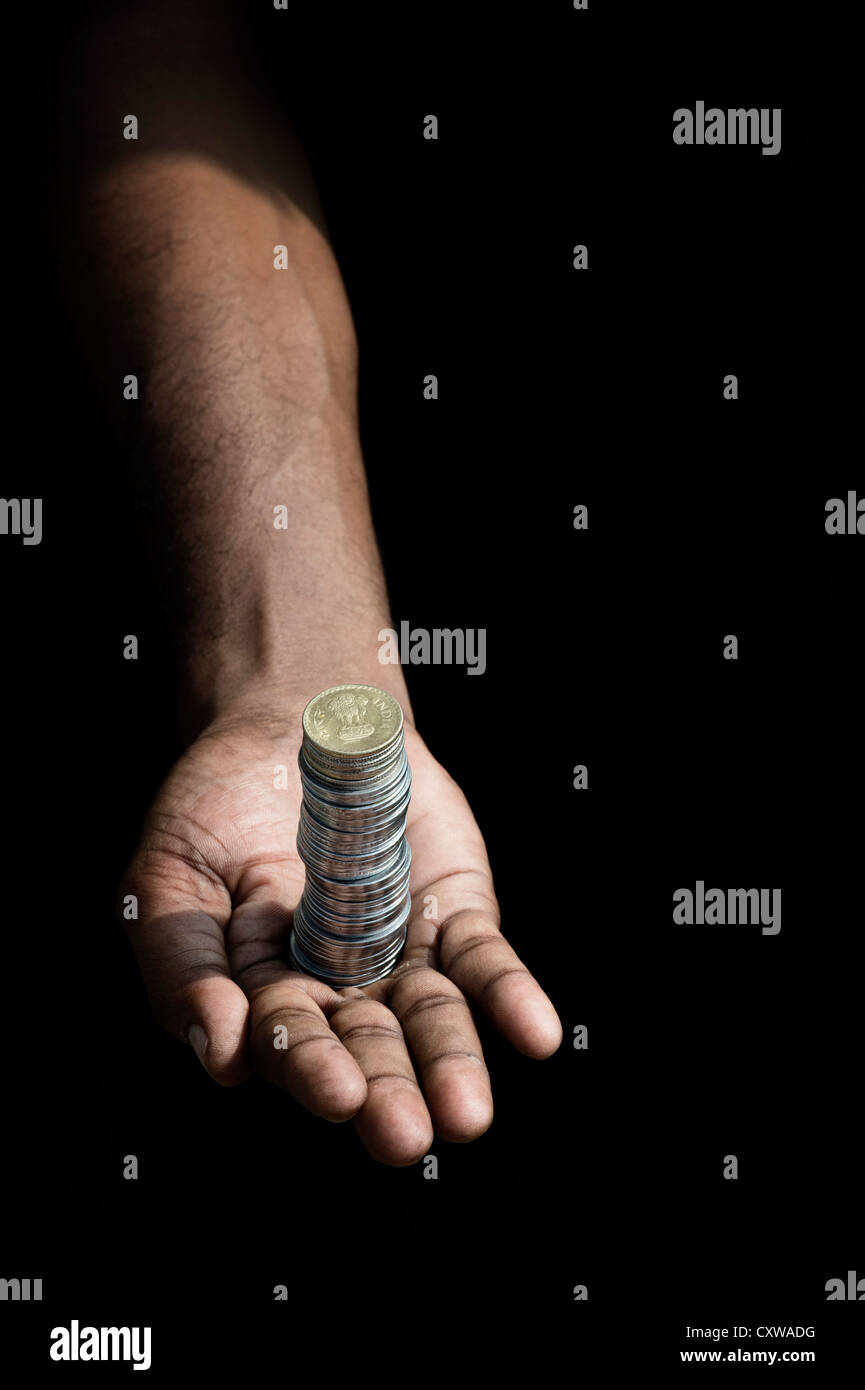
x,y
244,436
250,455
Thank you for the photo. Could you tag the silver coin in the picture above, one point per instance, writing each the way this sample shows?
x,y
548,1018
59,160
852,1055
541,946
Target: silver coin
x,y
349,927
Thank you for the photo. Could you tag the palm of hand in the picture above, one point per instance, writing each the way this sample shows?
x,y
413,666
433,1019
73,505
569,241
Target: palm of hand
x,y
217,876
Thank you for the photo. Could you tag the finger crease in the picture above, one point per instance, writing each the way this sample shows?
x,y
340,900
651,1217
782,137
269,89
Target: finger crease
x,y
277,1015
371,1030
392,1076
437,1002
318,1038
471,945
500,975
455,1052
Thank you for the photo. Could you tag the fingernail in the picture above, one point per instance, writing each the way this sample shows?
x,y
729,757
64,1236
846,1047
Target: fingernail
x,y
197,1039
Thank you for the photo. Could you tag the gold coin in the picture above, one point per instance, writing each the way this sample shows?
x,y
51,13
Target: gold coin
x,y
349,719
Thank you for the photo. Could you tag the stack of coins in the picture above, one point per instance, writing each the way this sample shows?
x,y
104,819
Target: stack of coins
x,y
350,924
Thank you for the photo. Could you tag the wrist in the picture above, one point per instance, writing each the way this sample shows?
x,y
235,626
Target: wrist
x,y
221,687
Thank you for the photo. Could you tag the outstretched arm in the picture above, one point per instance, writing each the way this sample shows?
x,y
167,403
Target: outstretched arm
x,y
248,380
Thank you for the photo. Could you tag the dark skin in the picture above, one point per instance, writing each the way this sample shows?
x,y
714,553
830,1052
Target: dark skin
x,y
248,387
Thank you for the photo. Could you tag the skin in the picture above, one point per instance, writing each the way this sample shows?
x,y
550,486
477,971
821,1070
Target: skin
x,y
249,402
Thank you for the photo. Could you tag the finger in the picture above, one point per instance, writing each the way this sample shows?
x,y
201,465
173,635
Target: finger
x,y
443,1040
180,948
453,889
474,954
394,1123
291,1041
293,1046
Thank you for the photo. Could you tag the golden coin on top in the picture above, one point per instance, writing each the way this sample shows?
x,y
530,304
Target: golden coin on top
x,y
347,720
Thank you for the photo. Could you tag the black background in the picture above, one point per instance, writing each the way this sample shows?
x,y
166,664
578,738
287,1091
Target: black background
x,y
706,517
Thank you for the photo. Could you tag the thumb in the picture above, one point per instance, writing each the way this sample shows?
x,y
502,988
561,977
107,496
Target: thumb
x,y
180,948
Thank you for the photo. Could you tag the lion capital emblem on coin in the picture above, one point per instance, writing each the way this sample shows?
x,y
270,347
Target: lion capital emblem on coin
x,y
349,711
